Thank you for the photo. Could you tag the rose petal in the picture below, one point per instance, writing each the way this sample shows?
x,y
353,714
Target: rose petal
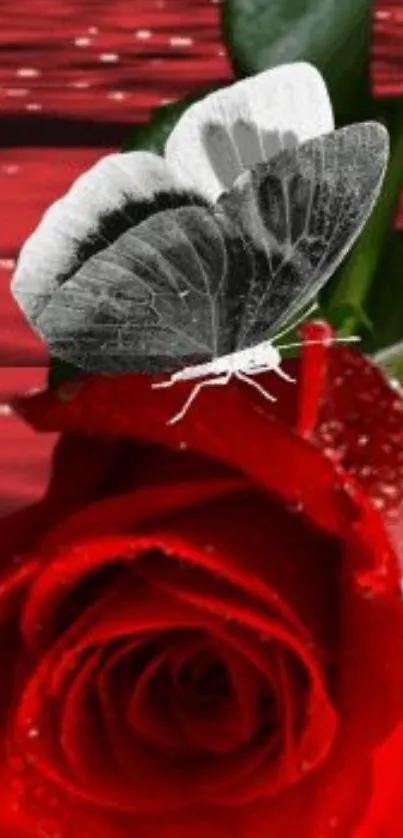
x,y
361,425
384,818
230,425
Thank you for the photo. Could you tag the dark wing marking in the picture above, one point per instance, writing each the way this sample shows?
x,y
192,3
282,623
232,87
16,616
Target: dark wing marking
x,y
153,300
301,213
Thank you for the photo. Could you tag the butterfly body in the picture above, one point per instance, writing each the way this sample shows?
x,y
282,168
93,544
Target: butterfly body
x,y
241,365
256,358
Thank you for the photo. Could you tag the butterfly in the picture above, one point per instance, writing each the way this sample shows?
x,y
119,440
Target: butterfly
x,y
203,291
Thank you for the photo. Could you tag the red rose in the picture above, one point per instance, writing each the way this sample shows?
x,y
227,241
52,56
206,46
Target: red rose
x,y
202,623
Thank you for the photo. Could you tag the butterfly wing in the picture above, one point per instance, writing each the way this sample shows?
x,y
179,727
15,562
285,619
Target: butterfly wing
x,y
195,283
152,300
301,213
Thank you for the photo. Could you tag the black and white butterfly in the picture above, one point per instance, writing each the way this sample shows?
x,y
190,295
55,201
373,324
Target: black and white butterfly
x,y
201,282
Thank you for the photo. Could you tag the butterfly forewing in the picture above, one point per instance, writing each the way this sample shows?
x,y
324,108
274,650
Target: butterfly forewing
x,y
301,214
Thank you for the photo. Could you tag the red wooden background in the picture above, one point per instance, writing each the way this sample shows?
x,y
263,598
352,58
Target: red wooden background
x,y
74,75
387,58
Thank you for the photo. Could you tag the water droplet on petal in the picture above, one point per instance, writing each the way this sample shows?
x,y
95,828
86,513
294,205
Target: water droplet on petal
x,y
305,766
296,506
379,502
17,764
49,829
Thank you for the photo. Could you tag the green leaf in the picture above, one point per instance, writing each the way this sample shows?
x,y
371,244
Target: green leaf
x,y
339,315
360,272
334,35
391,359
60,371
153,135
385,305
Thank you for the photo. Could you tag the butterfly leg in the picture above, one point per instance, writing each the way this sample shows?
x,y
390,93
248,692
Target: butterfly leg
x,y
245,377
284,375
161,384
209,382
278,370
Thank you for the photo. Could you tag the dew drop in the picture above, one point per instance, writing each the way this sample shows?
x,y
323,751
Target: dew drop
x,y
117,95
109,57
179,41
143,34
27,72
17,765
17,92
305,766
49,829
367,593
81,84
379,502
82,42
296,507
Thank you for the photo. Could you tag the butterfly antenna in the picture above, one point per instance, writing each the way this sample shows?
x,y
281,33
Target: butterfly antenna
x,y
330,342
296,323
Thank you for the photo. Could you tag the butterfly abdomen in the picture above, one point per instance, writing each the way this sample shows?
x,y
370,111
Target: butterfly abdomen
x,y
265,356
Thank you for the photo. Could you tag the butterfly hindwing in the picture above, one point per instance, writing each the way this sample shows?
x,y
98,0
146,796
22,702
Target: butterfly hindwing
x,y
154,299
300,214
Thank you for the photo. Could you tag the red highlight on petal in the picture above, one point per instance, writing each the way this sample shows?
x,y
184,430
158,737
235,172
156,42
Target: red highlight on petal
x,y
316,336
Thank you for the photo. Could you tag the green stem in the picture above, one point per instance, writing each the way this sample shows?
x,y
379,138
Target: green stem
x,y
358,271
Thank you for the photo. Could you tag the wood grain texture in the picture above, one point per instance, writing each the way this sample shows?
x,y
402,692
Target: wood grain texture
x,y
387,59
106,61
